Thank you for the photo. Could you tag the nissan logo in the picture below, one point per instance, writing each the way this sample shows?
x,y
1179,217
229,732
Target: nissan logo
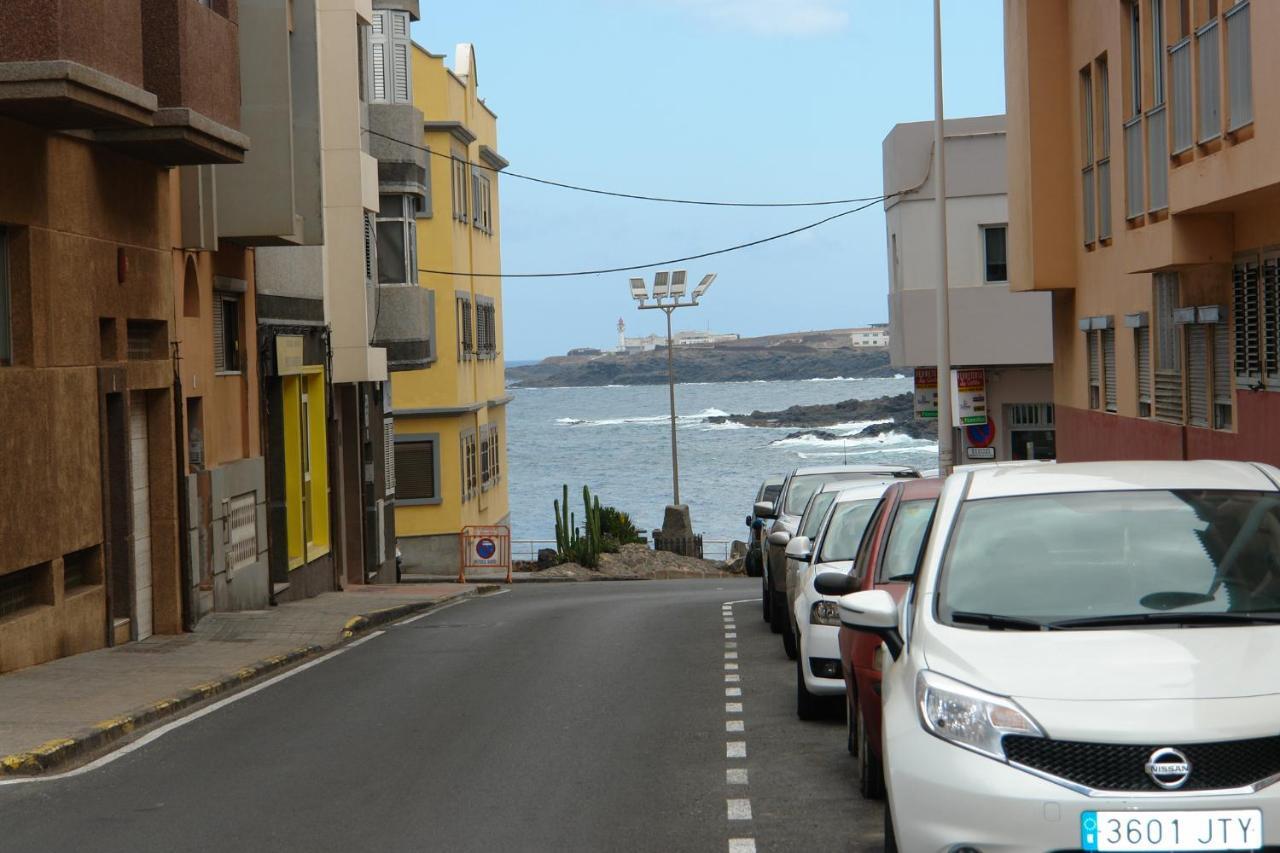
x,y
1168,768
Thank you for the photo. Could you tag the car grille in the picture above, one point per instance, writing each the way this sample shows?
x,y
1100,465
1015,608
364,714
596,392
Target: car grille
x,y
1121,767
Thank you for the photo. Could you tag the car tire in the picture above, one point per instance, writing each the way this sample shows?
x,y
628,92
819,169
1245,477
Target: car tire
x,y
789,640
764,596
777,612
850,727
890,837
870,770
808,706
753,563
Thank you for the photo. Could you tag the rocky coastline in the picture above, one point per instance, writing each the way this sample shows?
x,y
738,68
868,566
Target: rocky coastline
x,y
896,411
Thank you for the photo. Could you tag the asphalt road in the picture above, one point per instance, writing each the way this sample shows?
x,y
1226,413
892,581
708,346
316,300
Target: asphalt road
x,y
560,717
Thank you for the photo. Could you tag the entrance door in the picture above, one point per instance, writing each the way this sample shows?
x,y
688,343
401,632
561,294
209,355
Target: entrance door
x,y
139,454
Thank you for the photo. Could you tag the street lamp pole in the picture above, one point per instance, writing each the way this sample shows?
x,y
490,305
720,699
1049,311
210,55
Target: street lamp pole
x,y
668,291
946,457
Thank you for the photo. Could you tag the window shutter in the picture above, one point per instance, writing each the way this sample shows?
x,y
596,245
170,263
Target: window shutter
x,y
1244,289
1095,372
1270,308
1168,355
1142,346
389,453
415,467
219,336
400,70
1222,379
1198,374
1109,367
379,44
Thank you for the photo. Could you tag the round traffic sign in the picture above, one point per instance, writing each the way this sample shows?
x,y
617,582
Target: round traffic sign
x,y
485,548
981,435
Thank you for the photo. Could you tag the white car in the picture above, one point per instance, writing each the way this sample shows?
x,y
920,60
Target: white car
x,y
815,616
1087,661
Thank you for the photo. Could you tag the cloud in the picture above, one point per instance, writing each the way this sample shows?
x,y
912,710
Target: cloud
x,y
772,17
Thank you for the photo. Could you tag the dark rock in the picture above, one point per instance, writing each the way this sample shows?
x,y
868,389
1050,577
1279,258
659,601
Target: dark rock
x,y
546,558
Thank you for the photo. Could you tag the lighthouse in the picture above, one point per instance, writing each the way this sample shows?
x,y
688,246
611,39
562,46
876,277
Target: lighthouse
x,y
622,335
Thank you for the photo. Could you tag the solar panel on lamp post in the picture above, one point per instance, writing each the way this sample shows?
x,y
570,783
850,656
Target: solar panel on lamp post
x,y
671,286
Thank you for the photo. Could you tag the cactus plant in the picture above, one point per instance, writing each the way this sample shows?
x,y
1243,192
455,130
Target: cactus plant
x,y
583,547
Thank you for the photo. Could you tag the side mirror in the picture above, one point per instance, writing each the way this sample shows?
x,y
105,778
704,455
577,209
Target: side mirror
x,y
765,509
873,612
835,584
798,549
779,538
749,522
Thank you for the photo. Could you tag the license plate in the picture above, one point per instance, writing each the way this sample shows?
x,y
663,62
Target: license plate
x,y
1171,831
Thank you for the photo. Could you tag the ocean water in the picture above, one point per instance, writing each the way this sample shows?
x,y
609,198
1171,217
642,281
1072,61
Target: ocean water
x,y
616,439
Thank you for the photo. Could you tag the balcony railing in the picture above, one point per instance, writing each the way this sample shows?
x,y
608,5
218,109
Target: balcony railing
x,y
1104,199
1239,68
1135,172
1209,84
1158,158
1087,186
1180,95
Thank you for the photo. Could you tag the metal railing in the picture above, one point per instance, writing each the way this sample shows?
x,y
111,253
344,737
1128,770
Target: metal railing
x,y
1209,82
1239,67
526,550
1180,95
1135,171
1157,158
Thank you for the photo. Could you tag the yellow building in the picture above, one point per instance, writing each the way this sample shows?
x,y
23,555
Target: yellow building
x,y
450,418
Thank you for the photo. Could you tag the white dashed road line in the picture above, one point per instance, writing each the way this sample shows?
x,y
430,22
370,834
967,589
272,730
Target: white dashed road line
x,y
735,749
736,808
735,776
739,809
742,845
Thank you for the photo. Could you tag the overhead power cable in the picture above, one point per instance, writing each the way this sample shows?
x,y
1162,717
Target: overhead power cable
x,y
633,196
634,267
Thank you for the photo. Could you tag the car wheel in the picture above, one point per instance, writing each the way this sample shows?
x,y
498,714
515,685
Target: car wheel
x,y
764,596
752,563
808,706
890,837
850,720
789,640
870,770
777,612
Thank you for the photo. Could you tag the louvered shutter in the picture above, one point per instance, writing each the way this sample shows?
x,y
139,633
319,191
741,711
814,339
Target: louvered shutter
x,y
1244,287
415,466
1095,373
1223,383
401,90
389,453
1270,309
1142,347
1198,374
379,48
219,336
1109,367
1168,355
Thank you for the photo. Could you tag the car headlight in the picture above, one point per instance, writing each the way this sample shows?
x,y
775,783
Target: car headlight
x,y
969,717
825,613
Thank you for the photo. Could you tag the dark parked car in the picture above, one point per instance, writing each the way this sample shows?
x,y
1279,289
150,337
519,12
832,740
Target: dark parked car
x,y
757,528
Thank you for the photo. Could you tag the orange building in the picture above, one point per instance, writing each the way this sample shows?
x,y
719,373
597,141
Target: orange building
x,y
1144,193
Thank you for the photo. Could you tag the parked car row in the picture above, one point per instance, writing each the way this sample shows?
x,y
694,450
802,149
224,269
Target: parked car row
x,y
1048,656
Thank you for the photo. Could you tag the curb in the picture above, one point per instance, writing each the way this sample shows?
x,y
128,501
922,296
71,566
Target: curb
x,y
55,753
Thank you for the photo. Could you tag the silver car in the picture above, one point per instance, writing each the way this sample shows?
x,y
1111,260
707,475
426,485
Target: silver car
x,y
785,513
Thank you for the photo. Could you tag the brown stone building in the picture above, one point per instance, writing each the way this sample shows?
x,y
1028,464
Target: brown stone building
x,y
98,101
1144,193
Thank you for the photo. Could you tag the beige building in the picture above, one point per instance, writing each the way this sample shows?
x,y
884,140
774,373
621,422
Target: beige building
x,y
1144,166
1005,335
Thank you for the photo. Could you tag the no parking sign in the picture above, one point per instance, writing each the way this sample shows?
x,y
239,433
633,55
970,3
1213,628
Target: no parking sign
x,y
484,548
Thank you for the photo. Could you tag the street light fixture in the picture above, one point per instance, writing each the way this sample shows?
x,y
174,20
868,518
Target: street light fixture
x,y
671,286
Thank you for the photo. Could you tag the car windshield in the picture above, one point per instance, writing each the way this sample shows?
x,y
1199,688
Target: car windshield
x,y
844,532
906,538
1114,558
771,492
803,487
814,513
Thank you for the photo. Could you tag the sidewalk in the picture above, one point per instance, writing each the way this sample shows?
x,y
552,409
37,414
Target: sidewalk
x,y
58,711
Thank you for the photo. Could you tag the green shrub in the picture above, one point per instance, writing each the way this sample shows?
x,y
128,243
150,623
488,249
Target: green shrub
x,y
617,525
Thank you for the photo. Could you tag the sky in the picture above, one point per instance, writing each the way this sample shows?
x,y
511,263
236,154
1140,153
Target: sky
x,y
731,100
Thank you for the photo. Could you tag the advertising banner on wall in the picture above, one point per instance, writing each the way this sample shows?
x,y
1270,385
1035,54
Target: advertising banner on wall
x,y
970,394
926,393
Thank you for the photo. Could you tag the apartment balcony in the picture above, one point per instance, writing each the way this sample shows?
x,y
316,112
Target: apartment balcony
x,y
405,325
395,139
74,64
989,326
191,62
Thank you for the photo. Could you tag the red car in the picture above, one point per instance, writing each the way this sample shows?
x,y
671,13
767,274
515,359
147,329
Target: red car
x,y
886,559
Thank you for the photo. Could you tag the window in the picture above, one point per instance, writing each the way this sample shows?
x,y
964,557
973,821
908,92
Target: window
x,y
1135,58
306,467
1180,83
906,538
466,338
1208,83
1157,52
1102,80
1134,143
1255,284
391,79
1109,367
226,333
1239,67
481,202
417,469
1031,430
6,327
1198,375
461,209
486,328
470,459
370,250
1094,357
994,255
397,240
489,473
1142,365
1223,386
29,587
1157,117
1168,351
844,531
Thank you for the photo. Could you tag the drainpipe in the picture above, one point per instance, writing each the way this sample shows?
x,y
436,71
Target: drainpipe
x,y
184,550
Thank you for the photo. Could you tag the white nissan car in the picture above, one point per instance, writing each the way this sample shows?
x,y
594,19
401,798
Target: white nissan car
x,y
1089,659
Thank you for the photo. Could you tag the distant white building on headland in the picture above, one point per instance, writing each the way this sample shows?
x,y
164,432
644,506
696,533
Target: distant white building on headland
x,y
680,339
873,336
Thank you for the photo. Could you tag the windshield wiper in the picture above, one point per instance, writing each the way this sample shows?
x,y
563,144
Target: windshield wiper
x,y
997,622
1270,617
